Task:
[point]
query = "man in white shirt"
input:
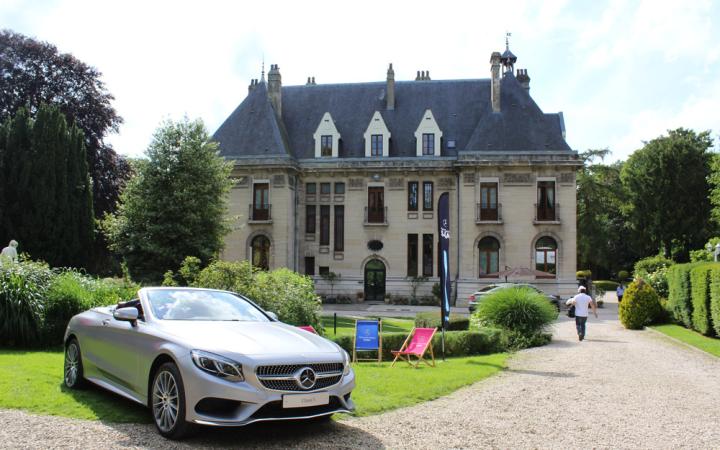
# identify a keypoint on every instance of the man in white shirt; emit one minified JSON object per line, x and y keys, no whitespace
{"x":581,"y":302}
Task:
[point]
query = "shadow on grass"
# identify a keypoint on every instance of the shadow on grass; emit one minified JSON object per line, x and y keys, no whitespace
{"x":107,"y":406}
{"x":481,"y":363}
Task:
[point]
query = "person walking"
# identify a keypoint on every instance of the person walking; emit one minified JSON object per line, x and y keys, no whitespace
{"x":582,"y":301}
{"x":620,"y":291}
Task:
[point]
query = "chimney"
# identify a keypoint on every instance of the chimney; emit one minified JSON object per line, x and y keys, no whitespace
{"x":427,"y":75}
{"x":418,"y":76}
{"x":524,"y":79}
{"x":253,"y":85}
{"x":495,"y":81}
{"x":390,"y":89}
{"x":275,"y":89}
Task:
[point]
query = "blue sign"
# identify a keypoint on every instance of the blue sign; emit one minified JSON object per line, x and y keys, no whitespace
{"x":367,"y":336}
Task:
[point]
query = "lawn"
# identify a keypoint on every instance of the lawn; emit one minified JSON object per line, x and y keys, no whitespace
{"x":346,"y":325}
{"x":32,"y":381}
{"x":381,"y":388}
{"x":697,"y":340}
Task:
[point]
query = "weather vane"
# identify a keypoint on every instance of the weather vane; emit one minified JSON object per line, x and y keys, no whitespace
{"x":507,"y":40}
{"x":262,"y":75}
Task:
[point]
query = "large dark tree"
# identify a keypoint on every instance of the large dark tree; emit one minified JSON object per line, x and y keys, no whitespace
{"x":47,"y":198}
{"x":667,"y":193}
{"x":175,"y":206}
{"x":33,"y":73}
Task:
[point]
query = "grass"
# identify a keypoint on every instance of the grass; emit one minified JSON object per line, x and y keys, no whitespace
{"x":346,"y":325}
{"x":381,"y":388}
{"x":32,"y":381}
{"x":697,"y":340}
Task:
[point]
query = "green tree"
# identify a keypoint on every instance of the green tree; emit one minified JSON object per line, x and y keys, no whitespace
{"x":667,"y":193}
{"x":46,"y":206}
{"x":602,"y":231}
{"x":176,"y":204}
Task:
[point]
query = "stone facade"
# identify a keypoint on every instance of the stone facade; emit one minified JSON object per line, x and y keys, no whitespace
{"x":273,"y":195}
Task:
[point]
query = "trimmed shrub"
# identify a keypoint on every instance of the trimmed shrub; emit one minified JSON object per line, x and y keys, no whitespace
{"x":700,"y":297}
{"x":67,"y":295}
{"x":680,"y":294}
{"x":623,"y":275}
{"x":428,"y":301}
{"x":654,"y":271}
{"x":583,"y":274}
{"x":22,"y":292}
{"x":432,"y":320}
{"x":226,"y":275}
{"x":457,"y":343}
{"x":640,"y":306}
{"x":605,"y":285}
{"x":715,"y":297}
{"x":517,"y":309}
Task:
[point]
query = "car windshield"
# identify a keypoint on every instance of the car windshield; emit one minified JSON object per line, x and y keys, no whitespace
{"x":189,"y":304}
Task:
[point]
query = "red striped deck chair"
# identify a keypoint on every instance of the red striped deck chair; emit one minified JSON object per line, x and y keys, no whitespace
{"x":308,"y":328}
{"x":416,"y":344}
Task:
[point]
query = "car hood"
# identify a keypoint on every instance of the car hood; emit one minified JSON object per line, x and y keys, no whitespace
{"x":247,"y":338}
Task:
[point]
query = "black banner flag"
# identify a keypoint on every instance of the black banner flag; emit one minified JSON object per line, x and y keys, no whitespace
{"x":444,"y":234}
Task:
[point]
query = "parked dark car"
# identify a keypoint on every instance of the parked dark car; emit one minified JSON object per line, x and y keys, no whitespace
{"x":477,"y":296}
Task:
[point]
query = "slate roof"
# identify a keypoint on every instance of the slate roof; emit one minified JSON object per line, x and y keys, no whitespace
{"x":461,"y":108}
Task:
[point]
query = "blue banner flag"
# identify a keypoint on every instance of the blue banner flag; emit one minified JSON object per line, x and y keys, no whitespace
{"x":367,"y":335}
{"x":444,"y":234}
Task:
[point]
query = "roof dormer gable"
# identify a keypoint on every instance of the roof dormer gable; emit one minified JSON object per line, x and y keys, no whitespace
{"x":327,"y":138}
{"x":377,"y":137}
{"x":428,"y":136}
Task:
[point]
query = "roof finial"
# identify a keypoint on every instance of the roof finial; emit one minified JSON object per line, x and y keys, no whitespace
{"x":262,"y":76}
{"x":507,"y":40}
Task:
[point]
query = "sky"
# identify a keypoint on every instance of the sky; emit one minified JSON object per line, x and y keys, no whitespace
{"x":621,"y":72}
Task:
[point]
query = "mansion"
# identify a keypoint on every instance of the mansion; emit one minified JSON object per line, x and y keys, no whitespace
{"x":345,"y":178}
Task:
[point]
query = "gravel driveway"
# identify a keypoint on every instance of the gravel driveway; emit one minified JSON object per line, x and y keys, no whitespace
{"x":617,"y":389}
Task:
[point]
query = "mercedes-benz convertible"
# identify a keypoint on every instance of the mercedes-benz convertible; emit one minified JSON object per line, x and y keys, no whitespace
{"x":207,"y":357}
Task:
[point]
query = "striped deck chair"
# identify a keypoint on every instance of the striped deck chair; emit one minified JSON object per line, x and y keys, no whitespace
{"x":416,"y":344}
{"x":308,"y":328}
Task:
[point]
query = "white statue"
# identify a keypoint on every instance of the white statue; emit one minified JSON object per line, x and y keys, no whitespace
{"x":9,"y":254}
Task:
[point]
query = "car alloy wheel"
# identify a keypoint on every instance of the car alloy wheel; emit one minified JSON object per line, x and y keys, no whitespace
{"x":165,"y":401}
{"x":73,"y":371}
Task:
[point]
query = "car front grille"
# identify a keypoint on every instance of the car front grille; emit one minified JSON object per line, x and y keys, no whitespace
{"x":281,"y":377}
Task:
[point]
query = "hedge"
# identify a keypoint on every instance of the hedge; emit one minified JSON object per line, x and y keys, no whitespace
{"x":700,"y":297}
{"x":680,"y":293}
{"x":715,"y":297}
{"x":605,"y":285}
{"x":432,"y":320}
{"x":457,"y":343}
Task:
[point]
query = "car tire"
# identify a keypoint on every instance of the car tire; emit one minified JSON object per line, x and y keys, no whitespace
{"x":167,"y":403}
{"x":72,"y":366}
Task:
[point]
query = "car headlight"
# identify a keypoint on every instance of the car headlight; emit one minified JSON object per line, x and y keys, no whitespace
{"x":217,"y":365}
{"x":346,"y":362}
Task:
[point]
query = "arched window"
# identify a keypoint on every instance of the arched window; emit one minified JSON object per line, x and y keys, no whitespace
{"x":546,"y":255}
{"x":261,"y":252}
{"x":489,"y":249}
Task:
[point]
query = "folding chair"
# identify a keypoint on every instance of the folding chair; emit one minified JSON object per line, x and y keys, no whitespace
{"x":416,"y":345}
{"x":308,"y":328}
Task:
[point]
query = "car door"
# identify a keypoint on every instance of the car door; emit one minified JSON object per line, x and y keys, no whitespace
{"x":116,"y":348}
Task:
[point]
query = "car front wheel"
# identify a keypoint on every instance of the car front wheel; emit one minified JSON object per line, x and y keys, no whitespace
{"x":168,"y":402}
{"x":73,"y":368}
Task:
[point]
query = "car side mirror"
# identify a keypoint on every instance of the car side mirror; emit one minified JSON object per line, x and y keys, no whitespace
{"x":272,"y":315}
{"x":129,"y":314}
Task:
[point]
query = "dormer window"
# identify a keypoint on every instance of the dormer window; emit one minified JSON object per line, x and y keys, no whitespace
{"x":428,"y":143}
{"x":327,"y":138}
{"x":376,"y":145}
{"x":326,"y":145}
{"x":428,"y":136}
{"x":377,"y":137}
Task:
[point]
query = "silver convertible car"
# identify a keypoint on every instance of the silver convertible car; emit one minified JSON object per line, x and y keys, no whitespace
{"x":208,"y":357}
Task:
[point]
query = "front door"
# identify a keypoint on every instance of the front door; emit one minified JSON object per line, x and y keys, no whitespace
{"x":375,"y":281}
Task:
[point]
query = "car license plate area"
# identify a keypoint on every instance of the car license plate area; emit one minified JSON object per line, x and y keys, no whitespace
{"x":305,"y":400}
